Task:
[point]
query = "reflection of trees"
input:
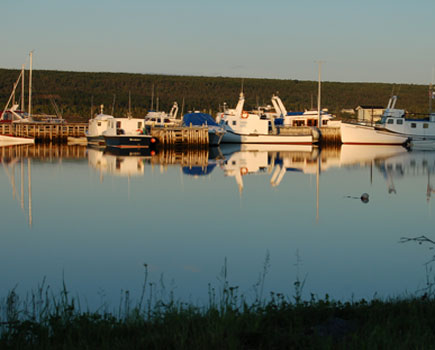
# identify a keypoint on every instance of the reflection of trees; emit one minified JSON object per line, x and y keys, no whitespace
{"x":429,"y":289}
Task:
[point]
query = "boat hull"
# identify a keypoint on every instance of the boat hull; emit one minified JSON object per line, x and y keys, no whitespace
{"x":130,"y":141}
{"x":6,"y":140}
{"x":231,"y":137}
{"x":97,"y":140}
{"x":369,"y":135}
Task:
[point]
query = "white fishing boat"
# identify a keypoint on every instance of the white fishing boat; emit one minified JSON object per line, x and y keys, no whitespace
{"x":128,"y":133}
{"x":245,"y":127}
{"x":371,"y":135}
{"x":412,"y":125}
{"x":96,"y":127}
{"x":163,"y":119}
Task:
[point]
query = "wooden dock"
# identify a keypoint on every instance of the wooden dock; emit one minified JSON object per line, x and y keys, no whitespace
{"x":181,"y":136}
{"x":45,"y":131}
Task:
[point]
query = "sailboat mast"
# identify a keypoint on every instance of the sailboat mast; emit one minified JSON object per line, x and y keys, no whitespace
{"x":22,"y":88}
{"x":30,"y":85}
{"x":431,"y":91}
{"x":319,"y":94}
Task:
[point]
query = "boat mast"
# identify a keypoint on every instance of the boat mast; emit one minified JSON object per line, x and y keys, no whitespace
{"x":30,"y":85}
{"x":431,"y":91}
{"x":113,"y":104}
{"x":319,"y":118}
{"x":22,"y":88}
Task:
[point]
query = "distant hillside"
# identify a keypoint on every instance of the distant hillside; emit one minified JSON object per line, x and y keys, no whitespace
{"x":75,"y":91}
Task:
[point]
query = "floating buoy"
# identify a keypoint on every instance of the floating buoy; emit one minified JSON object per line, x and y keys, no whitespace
{"x":365,"y":197}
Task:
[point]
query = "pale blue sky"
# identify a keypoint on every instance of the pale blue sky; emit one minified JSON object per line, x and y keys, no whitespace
{"x":371,"y":40}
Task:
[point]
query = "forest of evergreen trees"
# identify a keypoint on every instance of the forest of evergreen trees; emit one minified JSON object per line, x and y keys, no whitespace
{"x":78,"y":94}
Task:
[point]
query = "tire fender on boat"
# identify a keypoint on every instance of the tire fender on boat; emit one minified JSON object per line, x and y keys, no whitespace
{"x":243,"y":171}
{"x":245,"y":114}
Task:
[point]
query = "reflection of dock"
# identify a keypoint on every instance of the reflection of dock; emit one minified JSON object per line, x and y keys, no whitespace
{"x":43,"y":151}
{"x":184,"y":157}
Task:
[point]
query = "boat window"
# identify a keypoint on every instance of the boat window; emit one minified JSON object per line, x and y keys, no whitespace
{"x":390,"y":121}
{"x":324,"y":122}
{"x":413,"y":125}
{"x":310,"y":122}
{"x":399,"y":121}
{"x":425,"y":125}
{"x":118,"y":125}
{"x":99,"y":123}
{"x":139,"y":125}
{"x":234,"y":122}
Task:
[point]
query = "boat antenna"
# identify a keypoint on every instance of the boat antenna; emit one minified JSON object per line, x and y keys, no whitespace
{"x":113,"y":104}
{"x":92,"y":106}
{"x":152,"y":97}
{"x":398,"y":90}
{"x":182,"y":109}
{"x":243,"y":80}
{"x":129,"y":104}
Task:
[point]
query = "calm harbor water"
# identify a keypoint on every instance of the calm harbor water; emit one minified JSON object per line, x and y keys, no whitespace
{"x":94,"y":219}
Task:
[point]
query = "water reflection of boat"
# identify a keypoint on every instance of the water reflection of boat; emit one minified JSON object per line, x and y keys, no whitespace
{"x":365,"y":154}
{"x":274,"y":160}
{"x":119,"y":164}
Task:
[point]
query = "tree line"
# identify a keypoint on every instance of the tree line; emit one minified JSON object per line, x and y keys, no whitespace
{"x":78,"y":95}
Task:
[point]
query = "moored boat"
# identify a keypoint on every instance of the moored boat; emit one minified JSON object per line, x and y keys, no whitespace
{"x":128,"y":133}
{"x":365,"y":134}
{"x":245,"y":127}
{"x":412,"y":125}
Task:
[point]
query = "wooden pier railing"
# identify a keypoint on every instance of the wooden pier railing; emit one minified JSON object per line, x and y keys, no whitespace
{"x":44,"y":131}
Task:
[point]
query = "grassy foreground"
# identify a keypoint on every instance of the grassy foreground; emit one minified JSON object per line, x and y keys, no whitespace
{"x":45,"y":321}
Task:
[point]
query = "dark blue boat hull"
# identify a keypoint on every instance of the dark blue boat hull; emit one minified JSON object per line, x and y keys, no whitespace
{"x":126,"y":141}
